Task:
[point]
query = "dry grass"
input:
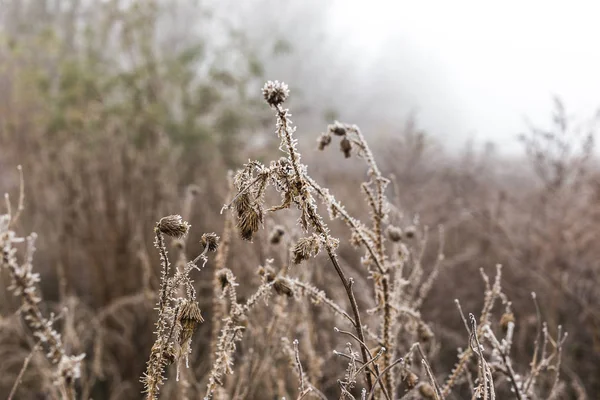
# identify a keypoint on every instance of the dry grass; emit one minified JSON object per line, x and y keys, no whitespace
{"x":358,"y":304}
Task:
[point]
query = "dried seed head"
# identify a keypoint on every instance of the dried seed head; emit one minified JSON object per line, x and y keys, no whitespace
{"x":249,"y":222}
{"x":323,"y":140}
{"x":411,"y":380}
{"x":275,"y":92}
{"x":173,"y":225}
{"x":506,"y":319}
{"x":410,"y":232}
{"x":282,"y":288}
{"x":424,"y":332}
{"x":188,"y":317}
{"x":305,"y":247}
{"x":337,"y":128}
{"x":267,"y":272}
{"x":223,"y":278}
{"x":394,"y":233}
{"x":210,"y":240}
{"x":346,"y":147}
{"x":276,"y":234}
{"x":241,"y":204}
{"x":427,"y":392}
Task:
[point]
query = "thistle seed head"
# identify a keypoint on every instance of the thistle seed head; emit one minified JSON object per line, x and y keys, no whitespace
{"x":249,"y":223}
{"x":282,"y":288}
{"x":267,"y":272}
{"x":188,"y":317}
{"x":305,"y":247}
{"x":242,"y":203}
{"x":337,"y":128}
{"x":173,"y":225}
{"x":275,"y":93}
{"x":210,"y":241}
{"x":410,"y":232}
{"x":411,"y":380}
{"x":323,"y":140}
{"x":346,"y":147}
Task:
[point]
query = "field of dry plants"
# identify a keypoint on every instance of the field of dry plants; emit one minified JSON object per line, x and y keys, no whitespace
{"x":150,"y":251}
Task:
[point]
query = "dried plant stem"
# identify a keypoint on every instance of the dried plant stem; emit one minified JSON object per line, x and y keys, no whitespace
{"x":285,"y":132}
{"x":22,"y":371}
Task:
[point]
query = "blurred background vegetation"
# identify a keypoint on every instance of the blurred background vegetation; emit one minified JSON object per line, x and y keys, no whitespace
{"x":117,"y":110}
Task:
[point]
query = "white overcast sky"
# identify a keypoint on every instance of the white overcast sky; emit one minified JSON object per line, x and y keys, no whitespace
{"x":479,"y":68}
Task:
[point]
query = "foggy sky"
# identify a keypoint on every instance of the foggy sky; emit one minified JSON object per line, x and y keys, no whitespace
{"x":472,"y":68}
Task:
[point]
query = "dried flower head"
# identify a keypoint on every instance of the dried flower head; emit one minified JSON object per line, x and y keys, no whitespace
{"x":306,"y":247}
{"x":241,"y":204}
{"x":276,"y":234}
{"x":410,"y":232}
{"x":337,"y":128}
{"x":275,"y":92}
{"x":323,"y":140}
{"x":393,"y":233}
{"x":427,"y":392}
{"x":188,"y":317}
{"x":267,"y":273}
{"x":346,"y":147}
{"x":210,"y":241}
{"x":282,"y":288}
{"x":506,"y":319}
{"x":173,"y":225}
{"x":411,"y":379}
{"x":249,"y":223}
{"x":223,"y":278}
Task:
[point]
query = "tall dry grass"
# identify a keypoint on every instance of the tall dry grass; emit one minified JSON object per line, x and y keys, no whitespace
{"x":394,"y":294}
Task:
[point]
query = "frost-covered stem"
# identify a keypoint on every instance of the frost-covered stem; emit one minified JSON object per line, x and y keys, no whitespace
{"x":285,"y":132}
{"x":320,"y":228}
{"x":349,"y":220}
{"x":24,"y":282}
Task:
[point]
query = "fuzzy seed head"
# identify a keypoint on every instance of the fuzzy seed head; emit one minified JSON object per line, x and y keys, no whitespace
{"x":210,"y":241}
{"x":275,"y":93}
{"x":174,"y":226}
{"x":410,"y":232}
